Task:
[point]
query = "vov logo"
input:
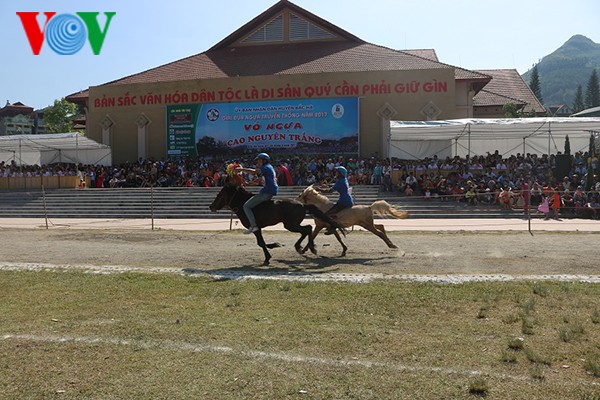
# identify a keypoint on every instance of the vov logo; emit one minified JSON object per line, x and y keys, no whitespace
{"x":65,"y":34}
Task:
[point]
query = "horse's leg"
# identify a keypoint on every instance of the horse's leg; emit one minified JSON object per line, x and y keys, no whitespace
{"x":379,"y":230}
{"x":311,"y":242}
{"x":318,"y":226}
{"x":339,"y":239}
{"x":261,"y":242}
{"x":304,"y":231}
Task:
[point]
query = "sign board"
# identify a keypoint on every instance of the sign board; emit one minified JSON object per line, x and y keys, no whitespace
{"x":306,"y":126}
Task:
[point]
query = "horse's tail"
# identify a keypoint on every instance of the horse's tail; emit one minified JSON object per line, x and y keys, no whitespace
{"x":315,"y":212}
{"x":382,"y":207}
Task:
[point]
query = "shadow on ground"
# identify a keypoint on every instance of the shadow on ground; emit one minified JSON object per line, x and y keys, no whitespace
{"x":306,"y":267}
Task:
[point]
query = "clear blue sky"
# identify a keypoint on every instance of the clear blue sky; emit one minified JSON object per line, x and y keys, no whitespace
{"x":473,"y":34}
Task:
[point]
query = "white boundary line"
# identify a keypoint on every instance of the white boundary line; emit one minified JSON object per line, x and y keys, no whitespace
{"x":278,"y":356}
{"x":254,"y":354}
{"x":294,"y":276}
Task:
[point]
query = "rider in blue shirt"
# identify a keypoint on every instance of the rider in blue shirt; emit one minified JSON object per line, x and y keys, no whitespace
{"x":342,"y":186}
{"x":264,"y":168}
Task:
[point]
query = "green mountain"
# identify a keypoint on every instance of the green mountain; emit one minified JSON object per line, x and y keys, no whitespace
{"x":564,"y":69}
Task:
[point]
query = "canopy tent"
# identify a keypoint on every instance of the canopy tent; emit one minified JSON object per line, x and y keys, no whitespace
{"x":413,"y":140}
{"x":53,"y":148}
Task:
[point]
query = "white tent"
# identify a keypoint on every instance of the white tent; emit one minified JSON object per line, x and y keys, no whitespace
{"x":53,"y":148}
{"x":413,"y":140}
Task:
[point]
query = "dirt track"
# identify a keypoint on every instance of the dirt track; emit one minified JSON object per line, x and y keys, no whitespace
{"x":516,"y":253}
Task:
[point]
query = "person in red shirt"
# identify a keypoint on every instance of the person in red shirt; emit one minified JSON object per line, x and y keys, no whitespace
{"x":284,"y":177}
{"x":555,"y":201}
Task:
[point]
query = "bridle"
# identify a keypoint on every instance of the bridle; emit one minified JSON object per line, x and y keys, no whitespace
{"x":234,"y":209}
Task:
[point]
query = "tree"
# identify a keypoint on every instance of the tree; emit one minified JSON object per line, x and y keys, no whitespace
{"x":578,"y":104}
{"x":534,"y":84}
{"x":59,"y":116}
{"x":567,"y":145}
{"x":510,"y":110}
{"x":592,"y":92}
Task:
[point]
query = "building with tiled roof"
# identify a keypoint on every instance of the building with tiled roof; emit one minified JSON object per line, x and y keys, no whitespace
{"x":288,"y":81}
{"x":506,"y":86}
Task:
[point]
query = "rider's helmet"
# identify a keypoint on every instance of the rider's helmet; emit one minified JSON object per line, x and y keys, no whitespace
{"x":263,"y":156}
{"x":343,"y":171}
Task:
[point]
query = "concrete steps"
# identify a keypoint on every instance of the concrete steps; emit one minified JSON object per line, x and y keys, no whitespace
{"x":194,"y":203}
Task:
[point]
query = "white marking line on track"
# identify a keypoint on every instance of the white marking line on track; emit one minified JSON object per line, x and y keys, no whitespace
{"x":278,"y":356}
{"x":294,"y":276}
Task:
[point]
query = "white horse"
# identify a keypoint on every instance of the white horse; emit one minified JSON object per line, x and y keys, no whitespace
{"x":356,"y":215}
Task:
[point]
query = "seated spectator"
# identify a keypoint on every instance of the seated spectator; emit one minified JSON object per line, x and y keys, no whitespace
{"x":458,"y":193}
{"x":568,"y":204}
{"x":592,"y":207}
{"x":505,"y":198}
{"x":471,"y":196}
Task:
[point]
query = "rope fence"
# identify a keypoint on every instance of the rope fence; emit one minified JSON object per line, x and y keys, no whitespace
{"x":149,"y":210}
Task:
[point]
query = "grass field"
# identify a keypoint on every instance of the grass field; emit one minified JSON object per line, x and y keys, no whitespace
{"x":139,"y":336}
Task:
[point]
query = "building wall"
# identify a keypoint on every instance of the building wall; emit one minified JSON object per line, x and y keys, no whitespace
{"x":488,"y":112}
{"x":464,"y":100}
{"x":127,"y":110}
{"x":18,"y":125}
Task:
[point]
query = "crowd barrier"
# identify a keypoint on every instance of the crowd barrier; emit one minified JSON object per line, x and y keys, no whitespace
{"x":36,"y":182}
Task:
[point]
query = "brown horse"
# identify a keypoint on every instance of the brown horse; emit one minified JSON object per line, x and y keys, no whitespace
{"x":288,"y":211}
{"x":356,"y":215}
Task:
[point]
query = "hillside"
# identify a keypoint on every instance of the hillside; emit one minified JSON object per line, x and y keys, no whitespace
{"x":561,"y":71}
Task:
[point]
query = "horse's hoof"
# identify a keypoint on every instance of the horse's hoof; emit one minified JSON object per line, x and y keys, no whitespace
{"x":314,"y":251}
{"x":393,"y":246}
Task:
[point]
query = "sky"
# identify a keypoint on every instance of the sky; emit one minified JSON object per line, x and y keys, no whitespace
{"x":472,"y":34}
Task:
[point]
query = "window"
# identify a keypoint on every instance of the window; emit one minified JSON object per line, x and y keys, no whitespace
{"x":300,"y":29}
{"x":270,"y":32}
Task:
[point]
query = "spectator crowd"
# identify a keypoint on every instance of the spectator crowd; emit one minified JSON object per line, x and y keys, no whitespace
{"x":519,"y":181}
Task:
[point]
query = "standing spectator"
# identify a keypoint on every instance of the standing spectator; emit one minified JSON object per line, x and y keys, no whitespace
{"x":555,"y":201}
{"x":377,"y":173}
{"x":81,"y":177}
{"x":579,"y":199}
{"x":526,"y":195}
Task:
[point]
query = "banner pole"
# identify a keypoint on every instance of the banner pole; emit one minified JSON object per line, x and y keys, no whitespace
{"x":44,"y":203}
{"x":152,"y":204}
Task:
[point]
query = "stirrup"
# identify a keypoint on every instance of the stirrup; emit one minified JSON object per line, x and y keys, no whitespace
{"x":250,"y":230}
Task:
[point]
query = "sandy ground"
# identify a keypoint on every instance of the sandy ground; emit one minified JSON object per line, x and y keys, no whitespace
{"x":448,"y":252}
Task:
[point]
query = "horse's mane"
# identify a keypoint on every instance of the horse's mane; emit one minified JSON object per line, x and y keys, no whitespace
{"x":235,"y":186}
{"x":314,"y":193}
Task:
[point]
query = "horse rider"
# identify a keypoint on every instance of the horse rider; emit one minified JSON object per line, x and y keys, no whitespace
{"x":342,"y":186}
{"x":264,"y":168}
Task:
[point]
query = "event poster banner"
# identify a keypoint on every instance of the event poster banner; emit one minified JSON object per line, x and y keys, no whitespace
{"x":307,"y":126}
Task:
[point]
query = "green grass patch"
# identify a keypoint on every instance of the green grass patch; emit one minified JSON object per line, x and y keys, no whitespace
{"x":592,"y":365}
{"x":479,"y":386}
{"x":516,"y":343}
{"x":190,"y":337}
